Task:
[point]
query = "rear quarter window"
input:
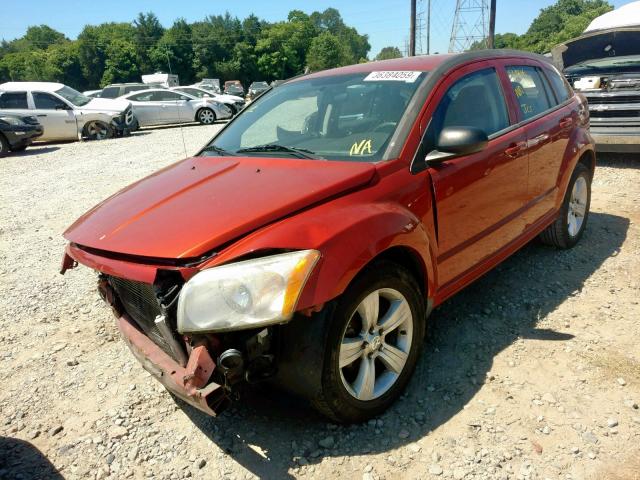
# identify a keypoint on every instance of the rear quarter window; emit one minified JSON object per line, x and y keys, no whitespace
{"x":110,"y":92}
{"x":559,"y":85}
{"x":13,"y":100}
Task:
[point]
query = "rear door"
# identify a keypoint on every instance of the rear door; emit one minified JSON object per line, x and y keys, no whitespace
{"x":479,"y":197}
{"x":174,"y":107}
{"x":56,"y":116}
{"x":547,"y":124}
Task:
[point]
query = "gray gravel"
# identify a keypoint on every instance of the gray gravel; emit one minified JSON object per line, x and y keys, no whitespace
{"x":533,"y":372}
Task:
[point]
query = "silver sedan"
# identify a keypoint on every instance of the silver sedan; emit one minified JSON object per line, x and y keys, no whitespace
{"x":162,"y":106}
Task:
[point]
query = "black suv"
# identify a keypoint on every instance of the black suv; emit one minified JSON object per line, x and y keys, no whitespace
{"x":17,"y":132}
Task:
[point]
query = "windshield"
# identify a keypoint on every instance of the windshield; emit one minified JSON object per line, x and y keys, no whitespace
{"x":73,"y":96}
{"x":345,"y":117}
{"x":607,"y":63}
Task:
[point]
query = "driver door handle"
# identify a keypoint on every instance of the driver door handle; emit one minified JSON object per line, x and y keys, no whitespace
{"x":42,"y":115}
{"x":514,"y":150}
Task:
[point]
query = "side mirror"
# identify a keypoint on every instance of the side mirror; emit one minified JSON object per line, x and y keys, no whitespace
{"x":62,"y":106}
{"x":206,"y":95}
{"x":457,"y":141}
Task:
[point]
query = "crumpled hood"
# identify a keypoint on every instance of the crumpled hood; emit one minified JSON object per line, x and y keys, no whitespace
{"x":106,"y":105}
{"x":200,"y":203}
{"x":616,"y":42}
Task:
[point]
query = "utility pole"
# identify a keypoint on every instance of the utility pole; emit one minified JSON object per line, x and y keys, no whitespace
{"x":428,"y":27}
{"x":492,"y":25}
{"x":412,"y":30}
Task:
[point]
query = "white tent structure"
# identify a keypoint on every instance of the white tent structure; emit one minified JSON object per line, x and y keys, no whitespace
{"x":626,"y":16}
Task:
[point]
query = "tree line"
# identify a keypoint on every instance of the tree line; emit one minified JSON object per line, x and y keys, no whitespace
{"x":220,"y":46}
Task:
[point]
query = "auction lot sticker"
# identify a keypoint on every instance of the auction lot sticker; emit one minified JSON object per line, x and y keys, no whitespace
{"x":394,"y":76}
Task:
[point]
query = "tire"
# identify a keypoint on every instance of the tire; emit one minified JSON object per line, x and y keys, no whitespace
{"x":206,"y":116}
{"x":568,"y":228}
{"x":96,"y":130}
{"x":4,"y":146}
{"x":232,"y":107}
{"x":345,"y":396}
{"x":135,"y":125}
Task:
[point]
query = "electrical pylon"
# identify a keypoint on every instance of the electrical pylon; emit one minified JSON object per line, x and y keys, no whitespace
{"x":470,"y":24}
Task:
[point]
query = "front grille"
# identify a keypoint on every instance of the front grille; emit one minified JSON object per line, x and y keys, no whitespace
{"x":139,"y":301}
{"x":612,"y":99}
{"x":614,"y":113}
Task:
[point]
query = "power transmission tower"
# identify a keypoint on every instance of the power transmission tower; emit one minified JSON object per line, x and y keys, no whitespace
{"x":470,"y":24}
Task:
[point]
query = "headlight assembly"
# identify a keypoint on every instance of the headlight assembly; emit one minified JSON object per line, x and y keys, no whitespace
{"x":247,"y":294}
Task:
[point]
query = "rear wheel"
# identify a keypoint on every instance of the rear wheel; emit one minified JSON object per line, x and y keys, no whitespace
{"x":206,"y":116}
{"x":373,"y":342}
{"x":568,"y":228}
{"x":4,"y":146}
{"x":96,"y":130}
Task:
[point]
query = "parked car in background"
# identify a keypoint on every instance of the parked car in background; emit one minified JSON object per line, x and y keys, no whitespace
{"x":17,"y":132}
{"x":603,"y":64}
{"x":212,"y":84}
{"x":234,"y":87}
{"x":161,"y":79}
{"x":92,"y":93}
{"x":162,"y":106}
{"x":234,"y":103}
{"x":65,"y":113}
{"x":116,"y":90}
{"x":255,"y":89}
{"x":308,"y":242}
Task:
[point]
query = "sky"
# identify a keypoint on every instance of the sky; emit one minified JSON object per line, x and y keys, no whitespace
{"x":385,"y":21}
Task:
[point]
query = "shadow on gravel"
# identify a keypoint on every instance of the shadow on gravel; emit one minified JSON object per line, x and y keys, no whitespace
{"x":267,"y":429}
{"x":618,"y":160}
{"x":34,"y":150}
{"x":20,"y":459}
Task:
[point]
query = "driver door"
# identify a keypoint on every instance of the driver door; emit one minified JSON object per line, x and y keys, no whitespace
{"x":56,"y":116}
{"x":479,"y":197}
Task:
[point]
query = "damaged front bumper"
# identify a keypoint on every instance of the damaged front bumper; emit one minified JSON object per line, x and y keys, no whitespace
{"x":191,"y":383}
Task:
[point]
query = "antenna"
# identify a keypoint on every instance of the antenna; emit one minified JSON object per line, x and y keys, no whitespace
{"x":184,"y":145}
{"x":469,"y":24}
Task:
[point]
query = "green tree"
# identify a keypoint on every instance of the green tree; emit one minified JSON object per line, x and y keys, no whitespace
{"x":174,"y":52}
{"x":148,"y":31}
{"x":326,"y":51}
{"x":121,"y":64}
{"x":388,"y":53}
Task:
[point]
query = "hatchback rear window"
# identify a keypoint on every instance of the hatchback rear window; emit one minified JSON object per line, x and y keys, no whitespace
{"x":13,"y":100}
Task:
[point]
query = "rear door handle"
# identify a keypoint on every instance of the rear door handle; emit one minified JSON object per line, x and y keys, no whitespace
{"x":42,"y":115}
{"x":566,"y":122}
{"x":532,"y":142}
{"x":514,"y":150}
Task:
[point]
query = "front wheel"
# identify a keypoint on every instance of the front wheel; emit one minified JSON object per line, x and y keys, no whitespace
{"x":373,"y":342}
{"x":206,"y":116}
{"x":568,"y":228}
{"x":96,"y":130}
{"x":4,"y":146}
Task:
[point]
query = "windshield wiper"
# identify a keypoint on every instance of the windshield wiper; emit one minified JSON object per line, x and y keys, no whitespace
{"x":274,"y":147}
{"x":218,"y":150}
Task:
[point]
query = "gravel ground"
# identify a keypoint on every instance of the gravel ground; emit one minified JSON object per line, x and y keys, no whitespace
{"x":533,"y":372}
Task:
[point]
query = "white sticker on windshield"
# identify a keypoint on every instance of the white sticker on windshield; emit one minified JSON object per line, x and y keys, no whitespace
{"x":394,"y":76}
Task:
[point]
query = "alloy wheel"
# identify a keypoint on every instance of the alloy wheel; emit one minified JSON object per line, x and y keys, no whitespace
{"x":207,"y":117}
{"x":577,"y":206}
{"x":375,"y":344}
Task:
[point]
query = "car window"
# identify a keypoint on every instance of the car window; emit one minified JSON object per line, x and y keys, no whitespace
{"x":110,"y":92}
{"x":558,"y":84}
{"x":13,"y":100}
{"x":133,"y":88}
{"x":142,"y":97}
{"x":166,"y":96}
{"x":196,"y":93}
{"x":530,"y":90}
{"x":46,"y":101}
{"x":476,"y":100}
